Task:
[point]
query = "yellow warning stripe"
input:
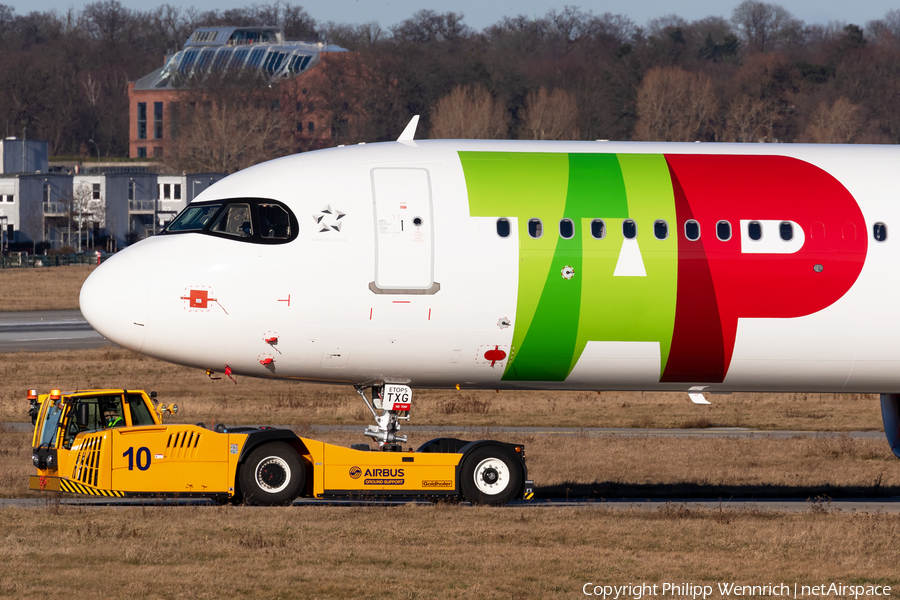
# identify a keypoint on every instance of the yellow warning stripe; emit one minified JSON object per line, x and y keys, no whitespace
{"x":67,"y":485}
{"x":529,"y":496}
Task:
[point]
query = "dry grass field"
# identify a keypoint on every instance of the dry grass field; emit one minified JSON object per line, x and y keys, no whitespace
{"x":441,"y":551}
{"x":46,"y":288}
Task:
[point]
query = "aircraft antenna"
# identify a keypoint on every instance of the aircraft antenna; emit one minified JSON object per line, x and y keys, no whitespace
{"x":410,"y":132}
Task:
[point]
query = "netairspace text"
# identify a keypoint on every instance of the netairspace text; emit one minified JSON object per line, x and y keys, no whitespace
{"x":646,"y":591}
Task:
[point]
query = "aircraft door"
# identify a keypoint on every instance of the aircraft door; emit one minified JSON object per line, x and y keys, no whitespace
{"x":404,"y":244}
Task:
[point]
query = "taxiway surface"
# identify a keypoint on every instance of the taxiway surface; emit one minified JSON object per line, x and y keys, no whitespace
{"x":849,"y":505}
{"x":47,"y":330}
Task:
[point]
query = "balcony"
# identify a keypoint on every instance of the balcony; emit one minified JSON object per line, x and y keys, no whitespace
{"x":55,"y":208}
{"x":142,"y":206}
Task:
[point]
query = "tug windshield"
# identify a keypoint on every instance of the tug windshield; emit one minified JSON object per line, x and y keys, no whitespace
{"x":51,"y":423}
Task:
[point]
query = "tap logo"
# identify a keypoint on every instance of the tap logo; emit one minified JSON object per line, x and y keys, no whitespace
{"x":328,"y":219}
{"x":355,"y":472}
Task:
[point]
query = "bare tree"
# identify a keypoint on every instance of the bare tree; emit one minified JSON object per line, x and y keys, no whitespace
{"x":469,"y":113}
{"x":549,"y":116}
{"x":674,"y":105}
{"x":840,"y":123}
{"x":764,"y":26}
{"x":748,"y":120}
{"x":430,"y":26}
{"x":228,"y":125}
{"x":885,"y":31}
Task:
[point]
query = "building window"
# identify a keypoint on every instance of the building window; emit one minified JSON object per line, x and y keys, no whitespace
{"x":173,"y":119}
{"x":157,"y":152}
{"x":10,"y":198}
{"x":176,"y":191}
{"x":46,"y":192}
{"x":310,"y":127}
{"x":157,"y":120}
{"x":298,"y":107}
{"x":142,"y":152}
{"x":299,"y":126}
{"x":167,"y":191}
{"x":142,"y":120}
{"x":95,"y":191}
{"x":131,"y":190}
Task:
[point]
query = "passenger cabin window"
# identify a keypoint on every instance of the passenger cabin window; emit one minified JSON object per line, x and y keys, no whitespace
{"x":754,"y":230}
{"x":247,"y":219}
{"x":692,"y":230}
{"x":629,"y":229}
{"x":234,"y":220}
{"x":503,"y":227}
{"x":566,"y":229}
{"x":598,"y":229}
{"x":723,"y":230}
{"x":879,"y":232}
{"x":660,"y":230}
{"x":786,"y":231}
{"x":535,"y":228}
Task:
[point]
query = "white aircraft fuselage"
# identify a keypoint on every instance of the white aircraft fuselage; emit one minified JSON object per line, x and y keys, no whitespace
{"x":542,"y":265}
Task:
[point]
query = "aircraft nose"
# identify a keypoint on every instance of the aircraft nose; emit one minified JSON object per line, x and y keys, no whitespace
{"x":114,"y":299}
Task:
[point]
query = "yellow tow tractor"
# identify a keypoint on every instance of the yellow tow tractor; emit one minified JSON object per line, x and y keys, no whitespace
{"x":114,"y":443}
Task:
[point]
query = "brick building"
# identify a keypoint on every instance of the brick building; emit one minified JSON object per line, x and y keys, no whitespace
{"x":153,"y":99}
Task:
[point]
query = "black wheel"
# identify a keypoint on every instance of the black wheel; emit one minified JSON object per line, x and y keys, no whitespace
{"x":490,"y":475}
{"x":273,"y":474}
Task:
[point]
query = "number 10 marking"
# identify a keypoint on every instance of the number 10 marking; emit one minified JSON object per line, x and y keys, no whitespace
{"x":143,"y":458}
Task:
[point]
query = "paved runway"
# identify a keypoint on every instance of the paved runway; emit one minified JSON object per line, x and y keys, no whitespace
{"x":792,"y":505}
{"x":429,"y":431}
{"x":47,"y":330}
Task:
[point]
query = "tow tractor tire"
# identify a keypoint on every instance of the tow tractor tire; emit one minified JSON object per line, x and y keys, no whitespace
{"x":273,"y":474}
{"x":490,"y":475}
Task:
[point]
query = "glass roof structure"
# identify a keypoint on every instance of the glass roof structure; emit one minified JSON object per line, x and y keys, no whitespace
{"x":224,"y":50}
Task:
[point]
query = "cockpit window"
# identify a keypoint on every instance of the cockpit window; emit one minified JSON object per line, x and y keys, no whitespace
{"x":253,"y":220}
{"x":274,"y":222}
{"x":234,"y":220}
{"x":193,"y":218}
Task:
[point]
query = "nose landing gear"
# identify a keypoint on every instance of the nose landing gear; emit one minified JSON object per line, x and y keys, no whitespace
{"x":393,"y":401}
